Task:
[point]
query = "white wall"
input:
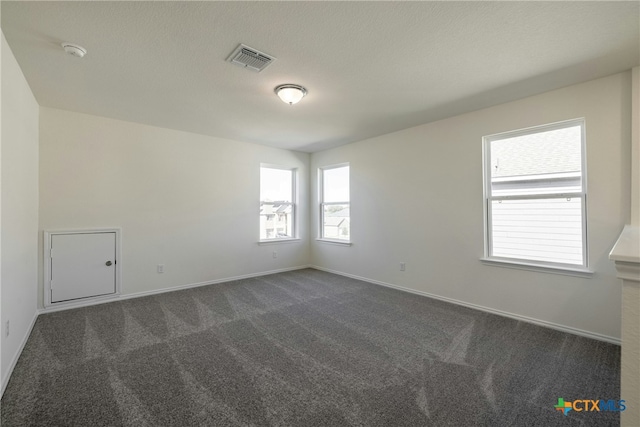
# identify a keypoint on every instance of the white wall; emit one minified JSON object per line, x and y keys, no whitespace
{"x":416,"y":197}
{"x":188,"y":201}
{"x":2,"y":331}
{"x":2,"y":371}
{"x":635,"y":148}
{"x":19,"y":221}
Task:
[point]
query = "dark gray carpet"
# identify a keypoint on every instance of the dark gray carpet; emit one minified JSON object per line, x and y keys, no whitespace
{"x":303,"y":348}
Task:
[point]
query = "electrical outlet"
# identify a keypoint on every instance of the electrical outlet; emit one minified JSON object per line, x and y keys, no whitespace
{"x":6,"y":329}
{"x":403,"y":266}
{"x":160,"y":268}
{"x":275,"y":254}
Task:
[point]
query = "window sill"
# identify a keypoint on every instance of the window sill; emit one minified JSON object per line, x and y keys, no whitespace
{"x":335,"y":242}
{"x":276,"y":241}
{"x":541,"y":268}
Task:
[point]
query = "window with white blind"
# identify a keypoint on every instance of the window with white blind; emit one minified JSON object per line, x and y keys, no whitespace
{"x":335,"y":217}
{"x":535,"y":196}
{"x":277,"y":203}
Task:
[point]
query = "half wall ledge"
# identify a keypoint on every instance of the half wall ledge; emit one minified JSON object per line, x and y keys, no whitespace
{"x":626,"y":255}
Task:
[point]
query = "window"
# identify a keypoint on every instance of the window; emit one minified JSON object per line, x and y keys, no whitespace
{"x":277,"y":203}
{"x":535,"y":196}
{"x":335,"y":221}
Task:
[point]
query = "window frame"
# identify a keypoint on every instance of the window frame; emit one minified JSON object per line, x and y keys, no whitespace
{"x":322,"y":204}
{"x":488,"y":198}
{"x":293,"y":204}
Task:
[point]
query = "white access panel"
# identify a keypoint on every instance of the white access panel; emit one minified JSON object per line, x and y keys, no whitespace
{"x":82,"y":265}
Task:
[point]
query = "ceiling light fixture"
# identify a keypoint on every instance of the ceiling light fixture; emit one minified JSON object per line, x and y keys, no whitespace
{"x":290,"y":93}
{"x":74,"y":49}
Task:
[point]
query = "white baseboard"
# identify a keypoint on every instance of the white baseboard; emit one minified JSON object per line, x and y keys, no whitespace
{"x":527,"y":319}
{"x":103,"y":300}
{"x":16,"y":356}
{"x":210,"y":282}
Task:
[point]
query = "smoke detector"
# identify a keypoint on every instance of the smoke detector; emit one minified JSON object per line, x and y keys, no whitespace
{"x":74,"y":49}
{"x":250,"y":58}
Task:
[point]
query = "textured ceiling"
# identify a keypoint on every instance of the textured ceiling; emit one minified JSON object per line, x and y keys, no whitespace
{"x":370,"y":67}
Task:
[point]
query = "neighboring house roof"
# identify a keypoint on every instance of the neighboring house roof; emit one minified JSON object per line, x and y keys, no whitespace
{"x":335,"y":221}
{"x":548,"y":152}
{"x":274,"y":207}
{"x":342,"y":213}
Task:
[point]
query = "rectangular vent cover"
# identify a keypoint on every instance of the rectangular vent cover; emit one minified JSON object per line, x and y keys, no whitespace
{"x":250,"y":58}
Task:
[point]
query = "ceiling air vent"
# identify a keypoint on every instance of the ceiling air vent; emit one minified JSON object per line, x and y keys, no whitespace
{"x":250,"y":58}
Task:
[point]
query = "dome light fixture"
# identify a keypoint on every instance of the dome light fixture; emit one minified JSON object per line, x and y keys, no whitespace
{"x":290,"y":93}
{"x":74,"y":49}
